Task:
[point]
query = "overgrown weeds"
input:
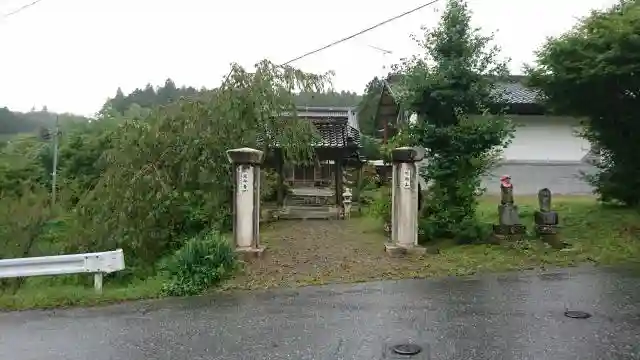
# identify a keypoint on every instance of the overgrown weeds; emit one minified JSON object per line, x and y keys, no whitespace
{"x":203,"y":261}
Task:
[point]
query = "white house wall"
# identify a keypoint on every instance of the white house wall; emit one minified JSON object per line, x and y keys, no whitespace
{"x":546,"y":139}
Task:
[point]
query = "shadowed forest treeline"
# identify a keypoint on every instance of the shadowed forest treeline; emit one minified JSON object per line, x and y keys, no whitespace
{"x":140,"y":101}
{"x":148,"y":97}
{"x":13,"y":122}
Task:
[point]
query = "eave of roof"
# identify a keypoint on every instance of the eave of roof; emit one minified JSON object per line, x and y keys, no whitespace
{"x":333,"y":135}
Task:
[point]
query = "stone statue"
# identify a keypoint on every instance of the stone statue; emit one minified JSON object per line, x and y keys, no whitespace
{"x":506,"y":190}
{"x":544,"y":199}
{"x":546,"y":220}
{"x":509,"y":223}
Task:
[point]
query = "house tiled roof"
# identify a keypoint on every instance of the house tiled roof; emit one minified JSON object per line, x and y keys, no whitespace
{"x":511,"y":90}
{"x":516,"y":93}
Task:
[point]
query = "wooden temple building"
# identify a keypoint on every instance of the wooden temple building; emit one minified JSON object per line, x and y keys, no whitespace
{"x":318,"y":188}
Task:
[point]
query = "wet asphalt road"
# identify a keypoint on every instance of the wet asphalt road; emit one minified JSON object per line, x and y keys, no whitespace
{"x":529,"y":178}
{"x":515,"y":316}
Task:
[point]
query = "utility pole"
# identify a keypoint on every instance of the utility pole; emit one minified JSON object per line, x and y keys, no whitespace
{"x":385,"y":130}
{"x":54,"y":174}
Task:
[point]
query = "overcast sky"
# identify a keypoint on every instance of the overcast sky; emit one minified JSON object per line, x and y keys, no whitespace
{"x":72,"y":54}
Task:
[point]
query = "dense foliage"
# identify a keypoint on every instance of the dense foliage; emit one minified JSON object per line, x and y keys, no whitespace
{"x":148,"y":179}
{"x":592,"y":72}
{"x":447,"y":87}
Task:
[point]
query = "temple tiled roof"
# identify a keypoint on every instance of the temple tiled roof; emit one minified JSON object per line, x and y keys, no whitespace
{"x":336,"y":135}
{"x":336,"y":126}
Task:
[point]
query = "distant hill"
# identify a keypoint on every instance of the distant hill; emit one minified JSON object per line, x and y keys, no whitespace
{"x":14,"y":122}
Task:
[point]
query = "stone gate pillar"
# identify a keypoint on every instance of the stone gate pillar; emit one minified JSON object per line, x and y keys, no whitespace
{"x":246,"y":200}
{"x":404,"y":200}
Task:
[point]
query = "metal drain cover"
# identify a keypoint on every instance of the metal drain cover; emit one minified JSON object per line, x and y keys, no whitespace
{"x":576,"y":314}
{"x":406,"y":349}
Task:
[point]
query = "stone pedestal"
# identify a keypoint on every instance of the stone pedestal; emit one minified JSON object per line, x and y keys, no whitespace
{"x":546,"y":222}
{"x":404,"y":201}
{"x":509,"y":226}
{"x":546,"y":228}
{"x":246,"y":200}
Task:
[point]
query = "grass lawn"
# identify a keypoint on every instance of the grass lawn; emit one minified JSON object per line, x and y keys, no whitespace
{"x":318,"y":252}
{"x":45,"y":292}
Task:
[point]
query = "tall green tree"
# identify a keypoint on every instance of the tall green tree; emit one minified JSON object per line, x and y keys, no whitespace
{"x":119,"y":102}
{"x":449,"y":84}
{"x":592,"y":72}
{"x":368,"y":107}
{"x":168,"y":92}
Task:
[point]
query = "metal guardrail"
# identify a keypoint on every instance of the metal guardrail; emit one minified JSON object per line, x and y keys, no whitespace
{"x":98,"y":264}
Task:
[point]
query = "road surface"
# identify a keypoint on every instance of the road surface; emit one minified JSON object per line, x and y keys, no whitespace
{"x":513,"y":316}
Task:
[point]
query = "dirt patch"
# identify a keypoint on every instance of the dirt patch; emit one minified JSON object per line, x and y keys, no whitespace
{"x":324,"y":251}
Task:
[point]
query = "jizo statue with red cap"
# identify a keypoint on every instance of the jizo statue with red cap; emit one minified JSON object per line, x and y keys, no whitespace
{"x":509,"y":223}
{"x":506,"y":190}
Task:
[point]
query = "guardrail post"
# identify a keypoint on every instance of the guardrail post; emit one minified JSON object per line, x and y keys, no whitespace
{"x":246,"y":200}
{"x":97,"y":282}
{"x":404,"y":201}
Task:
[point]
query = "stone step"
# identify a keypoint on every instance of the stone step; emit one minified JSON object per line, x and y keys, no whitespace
{"x":309,"y":201}
{"x":310,"y":208}
{"x":307,"y":213}
{"x":308,"y":216}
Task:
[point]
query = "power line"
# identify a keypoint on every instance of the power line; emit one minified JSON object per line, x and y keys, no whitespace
{"x":361,"y":32}
{"x":385,"y":52}
{"x":20,"y":9}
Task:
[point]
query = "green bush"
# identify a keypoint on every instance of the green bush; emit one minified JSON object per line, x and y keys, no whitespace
{"x":269,"y":185}
{"x":380,"y":207}
{"x":202,"y":262}
{"x":469,"y":231}
{"x":371,"y":148}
